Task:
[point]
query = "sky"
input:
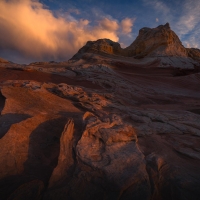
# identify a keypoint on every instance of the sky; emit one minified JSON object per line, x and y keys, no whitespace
{"x":54,"y":30}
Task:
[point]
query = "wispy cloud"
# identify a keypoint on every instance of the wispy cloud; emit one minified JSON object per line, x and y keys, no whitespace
{"x":190,"y":17}
{"x":32,"y":30}
{"x":127,"y":25}
{"x":159,"y":8}
{"x":110,"y":25}
{"x":188,"y":24}
{"x":158,"y":5}
{"x":184,"y":19}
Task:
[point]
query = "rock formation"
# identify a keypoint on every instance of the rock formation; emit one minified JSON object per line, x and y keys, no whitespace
{"x":160,"y":43}
{"x":194,"y":53}
{"x":103,"y":126}
{"x":101,"y":46}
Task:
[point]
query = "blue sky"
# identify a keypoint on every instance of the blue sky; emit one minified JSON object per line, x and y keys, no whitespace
{"x":55,"y":29}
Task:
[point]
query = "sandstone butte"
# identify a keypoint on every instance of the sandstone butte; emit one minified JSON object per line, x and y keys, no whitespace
{"x":110,"y":123}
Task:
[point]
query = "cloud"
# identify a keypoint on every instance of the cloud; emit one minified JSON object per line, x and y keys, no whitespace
{"x":159,"y":6}
{"x":109,"y":25}
{"x":188,"y":23}
{"x":185,"y":22}
{"x":127,"y":25}
{"x":33,"y":31}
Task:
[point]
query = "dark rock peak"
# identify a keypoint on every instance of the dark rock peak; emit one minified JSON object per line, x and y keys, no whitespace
{"x":104,"y":40}
{"x":160,"y":27}
{"x":166,"y":26}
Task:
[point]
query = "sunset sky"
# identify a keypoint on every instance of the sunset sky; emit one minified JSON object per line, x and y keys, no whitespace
{"x":45,"y":30}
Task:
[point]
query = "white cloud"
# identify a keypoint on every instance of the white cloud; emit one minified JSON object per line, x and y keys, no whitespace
{"x":110,"y":25}
{"x":157,"y":20}
{"x":127,"y":25}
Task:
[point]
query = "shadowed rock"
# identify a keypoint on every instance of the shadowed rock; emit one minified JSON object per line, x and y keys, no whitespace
{"x":65,"y":160}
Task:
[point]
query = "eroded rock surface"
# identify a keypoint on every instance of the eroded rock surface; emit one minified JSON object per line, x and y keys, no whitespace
{"x":101,"y":127}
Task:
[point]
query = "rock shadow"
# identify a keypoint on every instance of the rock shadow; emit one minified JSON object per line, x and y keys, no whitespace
{"x":44,"y":147}
{"x":2,"y":101}
{"x":7,"y":120}
{"x":43,"y":152}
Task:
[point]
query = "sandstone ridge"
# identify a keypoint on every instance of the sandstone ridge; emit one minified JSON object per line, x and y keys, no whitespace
{"x":160,"y":42}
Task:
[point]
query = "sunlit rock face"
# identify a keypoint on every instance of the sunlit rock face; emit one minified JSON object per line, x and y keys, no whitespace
{"x":159,"y":41}
{"x":100,"y":46}
{"x":101,"y":126}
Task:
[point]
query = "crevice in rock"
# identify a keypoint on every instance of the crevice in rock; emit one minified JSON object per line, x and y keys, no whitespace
{"x":65,"y":164}
{"x":44,"y":149}
{"x":67,"y":160}
{"x":151,"y":181}
{"x":2,"y":101}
